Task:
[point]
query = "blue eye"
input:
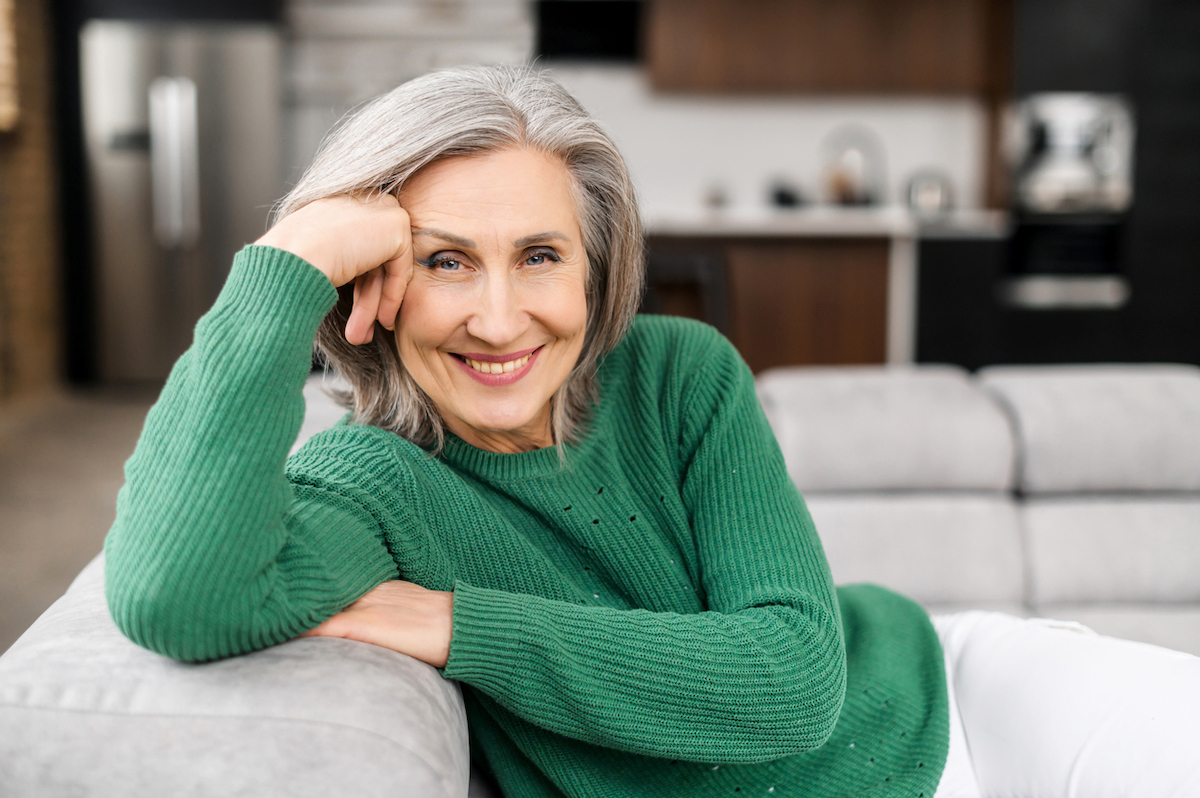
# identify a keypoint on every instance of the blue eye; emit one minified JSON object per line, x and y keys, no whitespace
{"x":444,"y":263}
{"x":540,"y":256}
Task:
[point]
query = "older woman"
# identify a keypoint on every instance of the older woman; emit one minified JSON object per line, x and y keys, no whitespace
{"x":583,"y":518}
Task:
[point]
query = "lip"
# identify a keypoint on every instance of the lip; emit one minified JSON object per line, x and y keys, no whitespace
{"x":497,"y":380}
{"x":499,"y":358}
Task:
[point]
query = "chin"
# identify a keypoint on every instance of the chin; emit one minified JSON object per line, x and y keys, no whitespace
{"x":505,"y":424}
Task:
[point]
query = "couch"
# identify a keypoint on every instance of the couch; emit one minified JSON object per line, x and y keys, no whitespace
{"x":1064,"y":491}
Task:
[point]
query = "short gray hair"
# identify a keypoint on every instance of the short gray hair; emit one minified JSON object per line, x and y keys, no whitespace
{"x":465,"y":111}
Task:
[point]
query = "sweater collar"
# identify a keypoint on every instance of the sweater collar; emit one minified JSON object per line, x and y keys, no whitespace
{"x":498,"y":467}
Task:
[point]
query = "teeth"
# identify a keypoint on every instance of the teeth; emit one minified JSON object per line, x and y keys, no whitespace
{"x":498,"y":368}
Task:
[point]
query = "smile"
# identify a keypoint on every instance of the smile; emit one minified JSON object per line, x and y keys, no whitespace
{"x":506,"y":367}
{"x":496,"y":370}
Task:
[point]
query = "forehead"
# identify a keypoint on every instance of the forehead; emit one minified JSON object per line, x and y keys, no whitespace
{"x":513,"y":187}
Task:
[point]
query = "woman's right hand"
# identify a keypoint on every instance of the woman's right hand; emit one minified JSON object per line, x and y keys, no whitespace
{"x":347,"y":238}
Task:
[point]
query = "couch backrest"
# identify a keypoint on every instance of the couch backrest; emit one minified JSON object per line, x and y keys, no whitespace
{"x":321,"y":409}
{"x":887,"y":428}
{"x":1102,"y":428}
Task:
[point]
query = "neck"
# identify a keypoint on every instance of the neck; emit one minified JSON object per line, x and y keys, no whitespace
{"x":535,"y":435}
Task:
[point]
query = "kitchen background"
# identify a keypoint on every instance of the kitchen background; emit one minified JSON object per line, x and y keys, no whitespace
{"x":828,"y":183}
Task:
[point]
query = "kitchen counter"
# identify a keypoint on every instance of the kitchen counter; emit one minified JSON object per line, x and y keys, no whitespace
{"x":895,"y":227}
{"x":824,"y":222}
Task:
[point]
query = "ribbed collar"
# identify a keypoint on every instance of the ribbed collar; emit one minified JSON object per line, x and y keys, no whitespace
{"x":497,"y":467}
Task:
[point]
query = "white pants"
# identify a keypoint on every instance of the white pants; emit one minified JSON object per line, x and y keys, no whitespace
{"x":1049,"y":709}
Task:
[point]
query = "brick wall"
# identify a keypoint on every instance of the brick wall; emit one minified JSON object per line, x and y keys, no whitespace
{"x":30,"y":340}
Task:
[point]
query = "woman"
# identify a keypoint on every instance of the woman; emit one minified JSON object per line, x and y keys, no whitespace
{"x":583,"y":518}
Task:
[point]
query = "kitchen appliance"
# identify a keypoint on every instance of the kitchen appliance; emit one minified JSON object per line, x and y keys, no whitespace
{"x":182,"y":133}
{"x":1072,"y":159}
{"x":1073,"y":153}
{"x":853,"y":171}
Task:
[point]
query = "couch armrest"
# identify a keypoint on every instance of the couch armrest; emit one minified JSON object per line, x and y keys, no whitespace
{"x":85,"y":711}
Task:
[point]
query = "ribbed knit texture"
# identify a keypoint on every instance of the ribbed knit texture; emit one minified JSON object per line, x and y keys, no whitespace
{"x":652,"y":617}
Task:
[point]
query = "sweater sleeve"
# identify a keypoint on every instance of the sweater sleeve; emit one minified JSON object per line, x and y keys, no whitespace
{"x":213,"y":551}
{"x":759,"y":675}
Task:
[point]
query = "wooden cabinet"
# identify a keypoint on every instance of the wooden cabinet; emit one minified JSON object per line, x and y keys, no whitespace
{"x":826,"y":46}
{"x":814,"y":302}
{"x":864,"y":47}
{"x":794,"y":301}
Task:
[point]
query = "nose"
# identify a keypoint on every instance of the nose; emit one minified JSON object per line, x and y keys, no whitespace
{"x":500,"y":319}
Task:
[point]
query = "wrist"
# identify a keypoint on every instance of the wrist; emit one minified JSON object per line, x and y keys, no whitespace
{"x":297,"y":246}
{"x":446,"y":607}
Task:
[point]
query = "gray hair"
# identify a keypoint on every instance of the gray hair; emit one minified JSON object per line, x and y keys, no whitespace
{"x":465,"y":111}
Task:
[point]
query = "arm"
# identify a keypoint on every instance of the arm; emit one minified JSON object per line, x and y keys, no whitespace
{"x":758,"y":676}
{"x":213,"y":551}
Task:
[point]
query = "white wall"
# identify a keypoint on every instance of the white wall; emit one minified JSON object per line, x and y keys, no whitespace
{"x":680,"y":146}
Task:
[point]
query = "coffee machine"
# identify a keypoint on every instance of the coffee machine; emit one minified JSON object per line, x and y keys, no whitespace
{"x":1072,"y":160}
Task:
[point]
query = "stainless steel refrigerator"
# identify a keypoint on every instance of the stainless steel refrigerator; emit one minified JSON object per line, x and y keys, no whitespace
{"x":182,"y":128}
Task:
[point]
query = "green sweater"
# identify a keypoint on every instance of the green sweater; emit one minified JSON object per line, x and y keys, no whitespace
{"x":653,"y":617}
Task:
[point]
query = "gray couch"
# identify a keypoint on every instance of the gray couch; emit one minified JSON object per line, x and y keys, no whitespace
{"x":1064,"y":491}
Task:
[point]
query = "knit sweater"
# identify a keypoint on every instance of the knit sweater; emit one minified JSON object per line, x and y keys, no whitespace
{"x":652,"y":616}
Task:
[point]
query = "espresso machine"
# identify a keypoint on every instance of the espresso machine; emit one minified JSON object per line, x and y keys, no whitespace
{"x":1072,"y":160}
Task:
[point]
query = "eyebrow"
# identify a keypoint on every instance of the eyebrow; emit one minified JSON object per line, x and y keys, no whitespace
{"x":537,"y":238}
{"x":466,"y":243}
{"x":449,"y":238}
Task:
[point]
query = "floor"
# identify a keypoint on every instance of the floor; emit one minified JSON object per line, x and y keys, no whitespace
{"x":61,"y":461}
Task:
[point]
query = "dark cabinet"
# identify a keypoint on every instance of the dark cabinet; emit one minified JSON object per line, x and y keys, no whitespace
{"x":863,"y":46}
{"x":782,"y":302}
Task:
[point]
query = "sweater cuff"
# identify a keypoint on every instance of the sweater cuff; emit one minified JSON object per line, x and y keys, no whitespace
{"x":488,"y":637}
{"x":281,"y":291}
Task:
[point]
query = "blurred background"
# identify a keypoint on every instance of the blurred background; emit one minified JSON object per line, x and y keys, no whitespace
{"x":867,"y":181}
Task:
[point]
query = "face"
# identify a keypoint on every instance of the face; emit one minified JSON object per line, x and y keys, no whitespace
{"x":494,"y":317}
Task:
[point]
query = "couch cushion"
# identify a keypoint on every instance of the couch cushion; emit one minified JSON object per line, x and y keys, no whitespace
{"x":947,"y":551}
{"x":877,"y":428}
{"x":1103,"y":427}
{"x":321,"y":410}
{"x":1176,"y":627}
{"x":1113,"y":549}
{"x":83,"y":711}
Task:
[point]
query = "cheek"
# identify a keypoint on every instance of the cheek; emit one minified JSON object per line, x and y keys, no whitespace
{"x":427,"y":319}
{"x":563,"y":305}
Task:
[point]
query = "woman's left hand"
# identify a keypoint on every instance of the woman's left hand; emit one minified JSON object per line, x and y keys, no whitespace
{"x":401,"y":616}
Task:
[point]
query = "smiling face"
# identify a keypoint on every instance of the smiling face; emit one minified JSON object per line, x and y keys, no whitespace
{"x":494,"y":318}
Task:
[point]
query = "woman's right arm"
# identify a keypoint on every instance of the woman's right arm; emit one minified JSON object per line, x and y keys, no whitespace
{"x":213,"y":551}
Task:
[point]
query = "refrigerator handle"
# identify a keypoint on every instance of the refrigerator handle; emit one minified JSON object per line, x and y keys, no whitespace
{"x":174,"y":162}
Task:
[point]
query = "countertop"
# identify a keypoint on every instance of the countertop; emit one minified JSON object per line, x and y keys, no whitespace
{"x":826,"y":222}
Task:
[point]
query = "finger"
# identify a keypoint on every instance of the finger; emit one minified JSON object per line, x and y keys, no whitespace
{"x":360,"y":327}
{"x":397,"y":273}
{"x":397,"y":270}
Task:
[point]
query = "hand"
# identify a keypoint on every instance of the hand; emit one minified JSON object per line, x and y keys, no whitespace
{"x":348,"y":238}
{"x":401,"y":616}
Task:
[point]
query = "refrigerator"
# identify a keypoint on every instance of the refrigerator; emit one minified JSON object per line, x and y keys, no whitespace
{"x":182,"y":133}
